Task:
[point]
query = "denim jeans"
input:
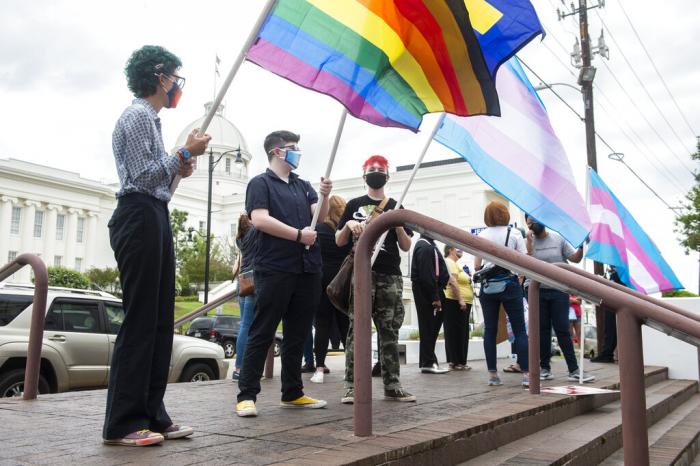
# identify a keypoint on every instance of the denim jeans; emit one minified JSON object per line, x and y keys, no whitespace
{"x":247,"y":306}
{"x":512,"y":300}
{"x":554,"y":312}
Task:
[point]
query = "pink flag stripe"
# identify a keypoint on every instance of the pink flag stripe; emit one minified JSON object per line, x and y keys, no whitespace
{"x":558,"y":190}
{"x":282,"y":63}
{"x":601,"y":197}
{"x":605,"y":235}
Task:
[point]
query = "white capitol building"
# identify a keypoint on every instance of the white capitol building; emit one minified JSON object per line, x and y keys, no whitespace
{"x":63,"y":217}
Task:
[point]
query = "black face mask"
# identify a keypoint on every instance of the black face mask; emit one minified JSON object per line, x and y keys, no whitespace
{"x":537,"y":228}
{"x":375,"y":180}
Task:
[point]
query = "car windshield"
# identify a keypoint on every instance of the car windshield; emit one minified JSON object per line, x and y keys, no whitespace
{"x":11,"y":306}
{"x":225,"y":322}
{"x":201,"y":323}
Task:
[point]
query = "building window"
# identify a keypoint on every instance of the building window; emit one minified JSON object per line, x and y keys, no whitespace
{"x":11,"y":255}
{"x":16,"y":217}
{"x":58,"y":261}
{"x":81,"y":230}
{"x":202,"y":224}
{"x":60,"y":222}
{"x":233,"y":230}
{"x":78,"y":264}
{"x":38,"y":223}
{"x":228,"y":165}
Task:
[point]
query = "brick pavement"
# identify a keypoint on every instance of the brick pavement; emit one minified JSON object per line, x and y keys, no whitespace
{"x":66,"y":428}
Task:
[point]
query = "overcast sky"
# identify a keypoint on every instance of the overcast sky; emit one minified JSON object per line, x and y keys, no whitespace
{"x":62,"y":88}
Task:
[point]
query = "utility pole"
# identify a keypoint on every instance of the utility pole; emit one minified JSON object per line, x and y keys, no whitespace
{"x":581,"y":58}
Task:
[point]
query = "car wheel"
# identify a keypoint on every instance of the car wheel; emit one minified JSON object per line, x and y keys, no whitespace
{"x":278,"y":347}
{"x":12,"y":384}
{"x":197,"y":372}
{"x":229,"y":348}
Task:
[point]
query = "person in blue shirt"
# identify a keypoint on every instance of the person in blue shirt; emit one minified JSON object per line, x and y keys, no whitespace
{"x":287,"y":274}
{"x":140,"y":235}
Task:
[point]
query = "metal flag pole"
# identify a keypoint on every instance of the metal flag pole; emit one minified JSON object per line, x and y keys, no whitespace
{"x":231,"y":74}
{"x":410,"y":180}
{"x":329,"y":167}
{"x":582,"y":337}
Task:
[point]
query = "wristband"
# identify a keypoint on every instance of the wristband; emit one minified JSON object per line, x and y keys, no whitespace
{"x":298,"y":236}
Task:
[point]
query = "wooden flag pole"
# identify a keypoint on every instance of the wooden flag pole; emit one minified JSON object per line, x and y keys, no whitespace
{"x":231,"y":74}
{"x":329,"y":167}
{"x":410,"y":180}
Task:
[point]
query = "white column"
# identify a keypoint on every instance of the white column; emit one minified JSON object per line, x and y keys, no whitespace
{"x":90,"y":239}
{"x":52,"y":211}
{"x":71,"y":237}
{"x":26,"y":232}
{"x":6,"y":204}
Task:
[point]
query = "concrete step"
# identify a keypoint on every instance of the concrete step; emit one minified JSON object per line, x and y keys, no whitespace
{"x":590,"y":437}
{"x":488,"y":426}
{"x":673,"y":440}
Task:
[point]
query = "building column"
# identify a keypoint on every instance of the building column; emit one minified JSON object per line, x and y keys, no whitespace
{"x":71,"y":235}
{"x":90,"y":239}
{"x":26,"y":232}
{"x":6,"y":204}
{"x":52,"y":211}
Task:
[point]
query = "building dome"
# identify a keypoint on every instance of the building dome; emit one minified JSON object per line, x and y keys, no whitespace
{"x":224,"y":134}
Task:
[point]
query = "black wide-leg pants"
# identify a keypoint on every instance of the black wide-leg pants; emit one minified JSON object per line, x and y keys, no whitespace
{"x":140,"y":235}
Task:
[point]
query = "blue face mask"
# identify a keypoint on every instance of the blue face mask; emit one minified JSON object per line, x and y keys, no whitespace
{"x":292,"y":157}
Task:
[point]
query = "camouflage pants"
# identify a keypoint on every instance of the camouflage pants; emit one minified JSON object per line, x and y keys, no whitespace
{"x":387,"y":314}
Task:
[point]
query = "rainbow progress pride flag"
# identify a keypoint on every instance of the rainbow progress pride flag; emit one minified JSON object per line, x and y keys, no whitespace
{"x":388,"y":61}
{"x":617,"y":239}
{"x":520,"y":156}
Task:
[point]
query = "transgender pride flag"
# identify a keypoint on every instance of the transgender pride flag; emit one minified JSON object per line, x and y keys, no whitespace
{"x":519,"y":155}
{"x":617,"y":239}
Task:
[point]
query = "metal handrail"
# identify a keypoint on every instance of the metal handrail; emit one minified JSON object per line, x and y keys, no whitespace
{"x":36,"y":330}
{"x":632,"y":311}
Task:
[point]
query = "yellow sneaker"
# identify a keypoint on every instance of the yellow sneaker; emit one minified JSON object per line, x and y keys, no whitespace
{"x":305,"y":402}
{"x":246,"y":408}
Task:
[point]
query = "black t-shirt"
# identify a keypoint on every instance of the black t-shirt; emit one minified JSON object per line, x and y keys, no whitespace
{"x":331,"y":254}
{"x":359,"y":209}
{"x":289,"y":203}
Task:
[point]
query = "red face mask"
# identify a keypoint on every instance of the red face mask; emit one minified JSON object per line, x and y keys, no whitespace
{"x":174,"y":95}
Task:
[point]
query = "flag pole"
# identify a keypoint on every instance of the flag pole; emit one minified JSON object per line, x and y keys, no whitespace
{"x":410,"y":180}
{"x":582,"y":337}
{"x":231,"y":74}
{"x":329,"y":166}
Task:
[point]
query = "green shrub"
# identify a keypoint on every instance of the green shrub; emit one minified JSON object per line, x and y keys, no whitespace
{"x":414,"y":335}
{"x":478,"y":332}
{"x":186,"y":299}
{"x":678,"y":294}
{"x":67,"y":278}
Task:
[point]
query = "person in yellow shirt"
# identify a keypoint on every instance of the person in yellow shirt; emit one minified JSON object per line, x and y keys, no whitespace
{"x":459,"y":297}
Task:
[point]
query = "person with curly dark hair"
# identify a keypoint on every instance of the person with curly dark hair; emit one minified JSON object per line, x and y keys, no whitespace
{"x":140,"y":235}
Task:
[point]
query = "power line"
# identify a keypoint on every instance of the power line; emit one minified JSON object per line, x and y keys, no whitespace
{"x":596,"y":133}
{"x":649,"y":154}
{"x":643,"y":115}
{"x":643,"y":86}
{"x":658,"y":73}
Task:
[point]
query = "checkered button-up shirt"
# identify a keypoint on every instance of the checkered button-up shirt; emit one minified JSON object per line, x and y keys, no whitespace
{"x":143,"y":164}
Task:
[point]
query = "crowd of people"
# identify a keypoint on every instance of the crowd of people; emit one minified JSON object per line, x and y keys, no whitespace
{"x":287,"y":265}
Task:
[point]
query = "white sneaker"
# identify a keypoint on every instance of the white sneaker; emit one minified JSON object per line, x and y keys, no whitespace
{"x":317,"y":377}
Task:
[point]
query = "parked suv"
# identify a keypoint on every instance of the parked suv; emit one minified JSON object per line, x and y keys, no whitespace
{"x":224,"y":331}
{"x":80,"y":329}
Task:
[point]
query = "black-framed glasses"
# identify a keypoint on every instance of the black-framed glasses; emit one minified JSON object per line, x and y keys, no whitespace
{"x":179,"y":80}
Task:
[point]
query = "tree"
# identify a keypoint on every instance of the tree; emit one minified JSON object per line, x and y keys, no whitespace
{"x":67,"y":278}
{"x":178,"y":220}
{"x":688,"y":223}
{"x":106,"y":279}
{"x":192,"y":269}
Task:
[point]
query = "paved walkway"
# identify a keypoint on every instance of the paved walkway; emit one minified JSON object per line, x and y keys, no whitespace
{"x":66,"y":428}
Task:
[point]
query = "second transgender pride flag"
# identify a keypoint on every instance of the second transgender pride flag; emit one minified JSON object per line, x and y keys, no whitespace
{"x":519,"y":155}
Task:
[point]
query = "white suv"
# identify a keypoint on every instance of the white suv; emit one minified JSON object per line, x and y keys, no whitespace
{"x":79,"y":333}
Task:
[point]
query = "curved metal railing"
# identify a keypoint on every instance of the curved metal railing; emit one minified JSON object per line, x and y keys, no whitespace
{"x":36,"y":331}
{"x":632,"y":311}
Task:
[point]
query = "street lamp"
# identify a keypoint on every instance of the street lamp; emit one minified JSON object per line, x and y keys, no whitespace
{"x":212,"y":164}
